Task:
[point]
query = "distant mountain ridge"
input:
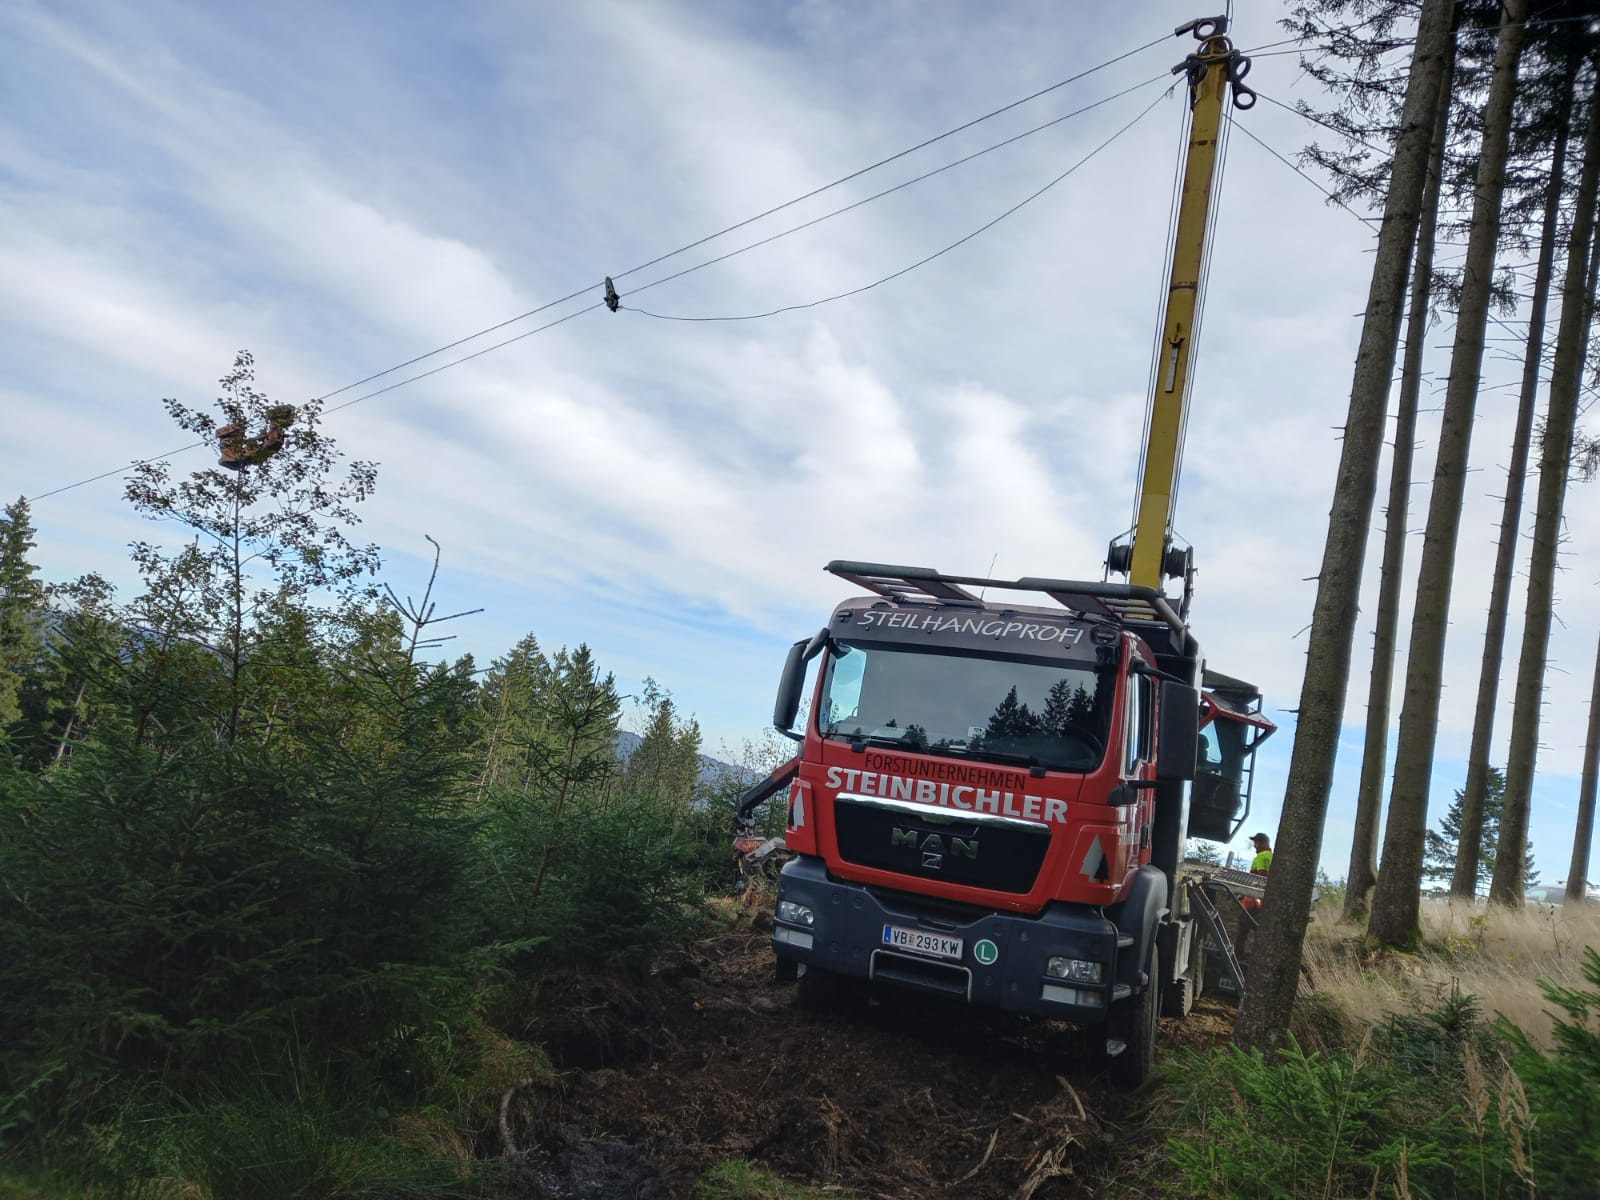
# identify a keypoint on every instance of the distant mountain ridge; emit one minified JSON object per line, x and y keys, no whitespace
{"x":713,"y":771}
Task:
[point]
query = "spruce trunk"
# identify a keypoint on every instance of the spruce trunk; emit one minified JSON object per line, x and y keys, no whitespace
{"x":1555,"y":459}
{"x":1275,"y":956}
{"x":1375,"y":746}
{"x":1469,"y":847}
{"x":1396,"y":899}
{"x":1583,"y":835}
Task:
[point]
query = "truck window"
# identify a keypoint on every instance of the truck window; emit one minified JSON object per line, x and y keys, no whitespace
{"x":1052,"y":712}
{"x":1222,"y":749}
{"x":1139,"y":738}
{"x":843,"y":700}
{"x":1147,"y":718}
{"x":1130,"y":732}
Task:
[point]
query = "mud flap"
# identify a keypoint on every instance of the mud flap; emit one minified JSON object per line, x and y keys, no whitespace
{"x":1139,"y":917}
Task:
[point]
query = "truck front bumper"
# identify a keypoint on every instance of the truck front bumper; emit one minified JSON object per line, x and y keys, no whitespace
{"x":1003,"y":960}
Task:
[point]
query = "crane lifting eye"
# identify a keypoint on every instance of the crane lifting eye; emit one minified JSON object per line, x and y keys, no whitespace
{"x":1203,"y":28}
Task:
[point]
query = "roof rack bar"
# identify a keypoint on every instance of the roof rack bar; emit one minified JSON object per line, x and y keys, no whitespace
{"x":1120,"y":602}
{"x":901,"y":582}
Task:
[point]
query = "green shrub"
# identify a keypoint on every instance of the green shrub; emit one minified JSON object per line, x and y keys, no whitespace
{"x":620,"y":882}
{"x":243,"y":823}
{"x":175,"y":910}
{"x":1425,"y":1109}
{"x":269,"y":1146}
{"x":1563,"y":1090}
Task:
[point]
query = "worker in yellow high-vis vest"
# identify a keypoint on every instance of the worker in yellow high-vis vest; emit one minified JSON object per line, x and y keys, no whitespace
{"x":1262,"y":862}
{"x":1259,"y":865}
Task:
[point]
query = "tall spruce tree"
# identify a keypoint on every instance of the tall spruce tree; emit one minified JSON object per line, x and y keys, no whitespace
{"x":1396,"y":899}
{"x":1583,"y":831}
{"x":512,"y":717}
{"x":1555,"y":461}
{"x":664,"y":768}
{"x":578,"y":761}
{"x":272,"y":530}
{"x":1363,"y":874}
{"x":66,"y":693}
{"x":1439,"y":861}
{"x":1554,"y":131}
{"x":1264,"y":1015}
{"x":22,"y":609}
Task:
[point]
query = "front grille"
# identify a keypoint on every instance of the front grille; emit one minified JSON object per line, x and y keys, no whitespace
{"x":921,"y":974}
{"x":1000,"y":858}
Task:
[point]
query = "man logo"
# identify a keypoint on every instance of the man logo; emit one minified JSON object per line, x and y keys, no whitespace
{"x":933,"y":846}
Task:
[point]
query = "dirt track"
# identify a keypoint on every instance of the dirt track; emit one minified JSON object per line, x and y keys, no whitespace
{"x":908,"y":1098}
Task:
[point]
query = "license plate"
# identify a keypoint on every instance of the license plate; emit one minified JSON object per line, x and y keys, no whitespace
{"x":933,"y":945}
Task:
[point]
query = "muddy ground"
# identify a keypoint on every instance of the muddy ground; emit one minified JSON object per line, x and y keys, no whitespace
{"x":712,"y":1059}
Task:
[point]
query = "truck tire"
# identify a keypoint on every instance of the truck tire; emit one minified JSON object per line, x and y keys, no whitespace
{"x":785,"y":970}
{"x":1133,"y":1023}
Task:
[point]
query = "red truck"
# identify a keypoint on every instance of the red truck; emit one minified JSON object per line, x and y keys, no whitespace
{"x":997,"y":779}
{"x":992,"y":799}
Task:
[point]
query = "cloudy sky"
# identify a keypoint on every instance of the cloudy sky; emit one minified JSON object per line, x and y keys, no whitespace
{"x":341,"y":188}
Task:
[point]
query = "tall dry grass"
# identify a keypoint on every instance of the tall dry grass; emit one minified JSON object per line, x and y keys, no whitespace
{"x":1497,"y":956}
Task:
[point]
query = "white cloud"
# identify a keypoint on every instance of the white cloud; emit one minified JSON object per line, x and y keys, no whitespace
{"x":181,"y":182}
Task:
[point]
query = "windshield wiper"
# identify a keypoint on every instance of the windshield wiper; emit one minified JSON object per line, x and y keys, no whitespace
{"x":859,"y":740}
{"x":1008,"y":756}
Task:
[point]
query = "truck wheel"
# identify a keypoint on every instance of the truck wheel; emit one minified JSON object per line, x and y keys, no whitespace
{"x":1133,"y":1023}
{"x":785,"y":970}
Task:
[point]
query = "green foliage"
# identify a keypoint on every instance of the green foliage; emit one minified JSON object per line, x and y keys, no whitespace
{"x":622,"y":882}
{"x":1330,"y":891}
{"x":175,"y":908}
{"x":272,"y":532}
{"x":665,"y":767}
{"x":1439,"y":852}
{"x":272,"y":1135}
{"x":60,"y":700}
{"x":1427,"y":1107}
{"x":269,"y":1145}
{"x":1564,"y":1089}
{"x":21,"y":608}
{"x":244,"y":822}
{"x":1204,"y":852}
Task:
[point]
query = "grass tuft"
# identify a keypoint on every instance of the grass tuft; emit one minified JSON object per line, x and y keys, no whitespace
{"x":740,"y":1179}
{"x":1497,"y":956}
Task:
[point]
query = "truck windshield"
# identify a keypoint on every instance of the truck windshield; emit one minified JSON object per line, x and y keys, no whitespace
{"x":1054,"y":714}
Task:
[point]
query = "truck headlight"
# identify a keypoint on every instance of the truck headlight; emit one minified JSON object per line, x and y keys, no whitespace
{"x":795,"y":914}
{"x":1079,"y":970}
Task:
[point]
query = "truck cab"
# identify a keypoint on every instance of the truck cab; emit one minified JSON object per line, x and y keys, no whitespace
{"x":990,"y":798}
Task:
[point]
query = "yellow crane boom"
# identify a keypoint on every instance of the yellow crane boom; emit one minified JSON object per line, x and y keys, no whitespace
{"x":1212,"y":69}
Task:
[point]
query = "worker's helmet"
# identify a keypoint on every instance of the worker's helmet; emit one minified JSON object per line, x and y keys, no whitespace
{"x":1259,"y":838}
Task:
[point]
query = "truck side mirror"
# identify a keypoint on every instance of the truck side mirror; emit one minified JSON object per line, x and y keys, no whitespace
{"x":792,"y":681}
{"x":1179,"y":739}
